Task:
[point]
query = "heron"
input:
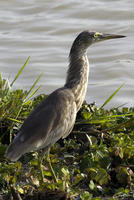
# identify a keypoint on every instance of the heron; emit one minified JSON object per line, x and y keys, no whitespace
{"x":55,"y":116}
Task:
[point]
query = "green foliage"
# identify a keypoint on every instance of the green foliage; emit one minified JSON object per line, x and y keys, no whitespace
{"x":96,"y":161}
{"x":111,"y":96}
{"x":15,"y":105}
{"x":86,"y":196}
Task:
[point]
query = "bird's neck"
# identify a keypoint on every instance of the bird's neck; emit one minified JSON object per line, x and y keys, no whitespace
{"x":77,"y":77}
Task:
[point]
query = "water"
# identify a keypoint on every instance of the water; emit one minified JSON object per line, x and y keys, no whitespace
{"x":45,"y":31}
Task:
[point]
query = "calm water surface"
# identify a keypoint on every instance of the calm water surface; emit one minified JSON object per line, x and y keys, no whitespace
{"x":45,"y":31}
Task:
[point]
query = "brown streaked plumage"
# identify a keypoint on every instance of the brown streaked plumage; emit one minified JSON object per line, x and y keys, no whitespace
{"x":54,"y":117}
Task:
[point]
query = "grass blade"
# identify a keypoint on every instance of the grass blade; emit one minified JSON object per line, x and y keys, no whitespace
{"x":21,"y":69}
{"x":35,"y":83}
{"x":15,"y":120}
{"x":27,"y":100}
{"x":109,"y":99}
{"x":89,"y":139}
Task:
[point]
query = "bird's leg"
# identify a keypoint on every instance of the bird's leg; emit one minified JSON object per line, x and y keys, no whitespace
{"x":50,"y":166}
{"x":40,"y":160}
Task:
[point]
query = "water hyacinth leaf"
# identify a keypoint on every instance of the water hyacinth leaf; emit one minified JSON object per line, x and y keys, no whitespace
{"x":51,"y":186}
{"x":47,"y":173}
{"x":91,"y":185}
{"x":122,"y":174}
{"x":2,"y":150}
{"x":90,"y":170}
{"x":78,"y":178}
{"x":86,"y":115}
{"x":34,"y":162}
{"x":79,"y":166}
{"x":86,"y":196}
{"x":101,"y":176}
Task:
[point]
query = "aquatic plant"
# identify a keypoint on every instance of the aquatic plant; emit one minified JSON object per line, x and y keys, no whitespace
{"x":95,"y":161}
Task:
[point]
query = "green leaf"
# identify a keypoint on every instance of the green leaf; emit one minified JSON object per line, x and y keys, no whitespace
{"x":86,"y":115}
{"x":2,"y":150}
{"x":89,"y":139}
{"x":26,"y":101}
{"x":47,"y":173}
{"x":39,"y":77}
{"x":91,"y":185}
{"x":109,"y":99}
{"x":21,"y":69}
{"x":78,"y":178}
{"x":14,"y":120}
{"x":86,"y":196}
{"x":65,"y":171}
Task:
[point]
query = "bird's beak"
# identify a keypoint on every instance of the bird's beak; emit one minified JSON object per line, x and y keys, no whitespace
{"x":102,"y":36}
{"x":110,"y":36}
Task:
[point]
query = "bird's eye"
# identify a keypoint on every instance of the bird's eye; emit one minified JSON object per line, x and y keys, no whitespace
{"x":97,"y":34}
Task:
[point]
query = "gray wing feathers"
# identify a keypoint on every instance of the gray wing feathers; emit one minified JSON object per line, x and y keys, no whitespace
{"x":52,"y":119}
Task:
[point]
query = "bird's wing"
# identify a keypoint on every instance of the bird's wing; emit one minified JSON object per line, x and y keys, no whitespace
{"x":53,"y":117}
{"x":49,"y":121}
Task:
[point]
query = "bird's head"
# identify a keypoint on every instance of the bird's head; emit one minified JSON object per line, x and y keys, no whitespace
{"x":87,"y":38}
{"x":90,"y":37}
